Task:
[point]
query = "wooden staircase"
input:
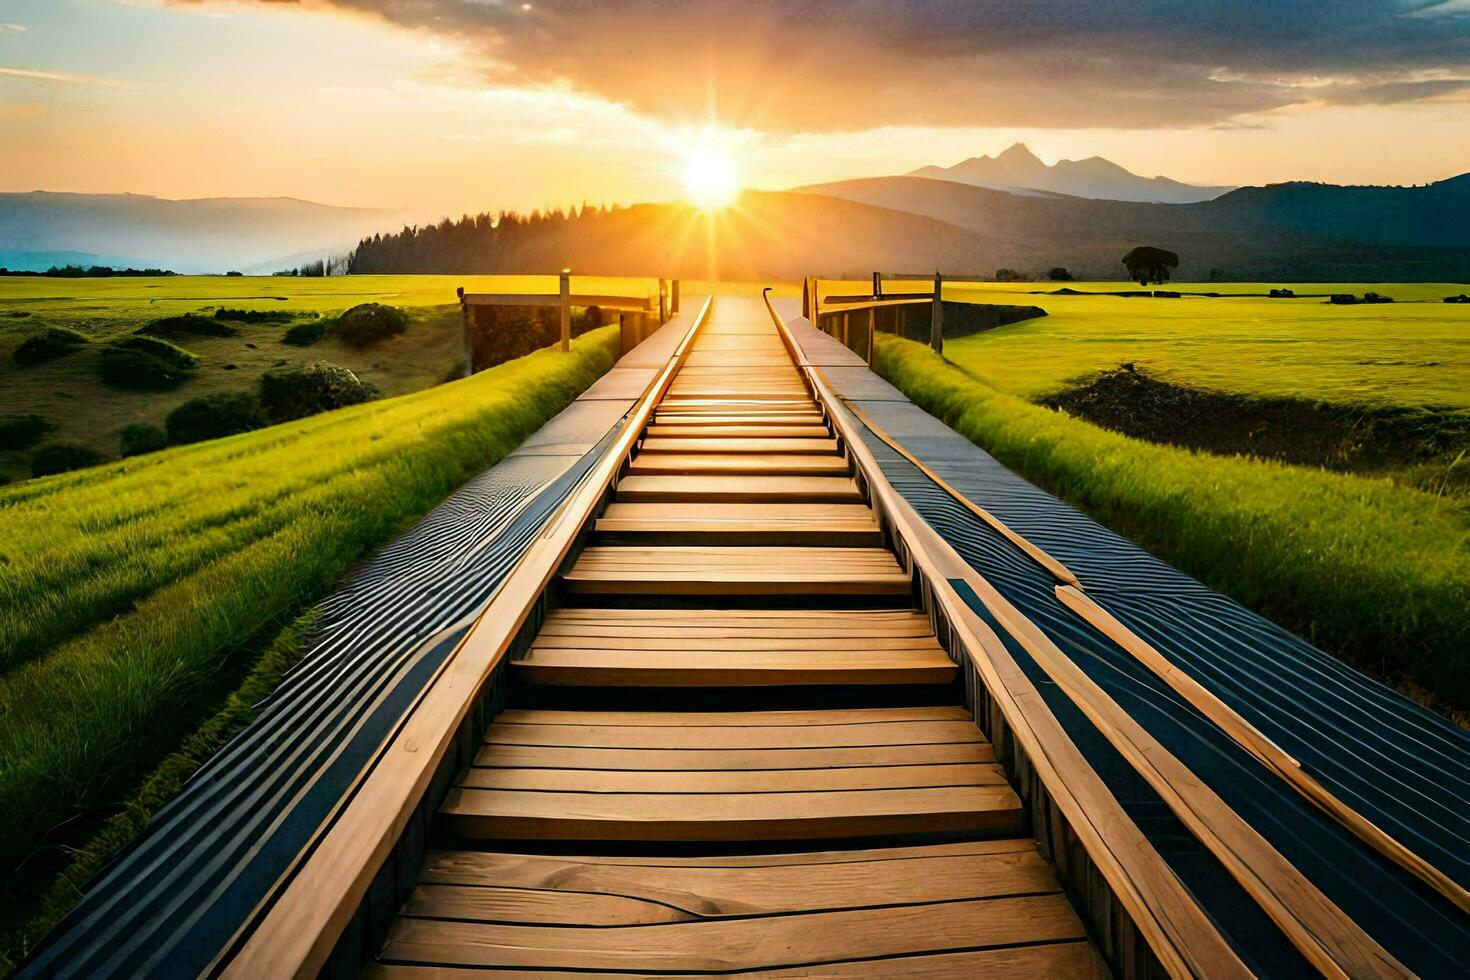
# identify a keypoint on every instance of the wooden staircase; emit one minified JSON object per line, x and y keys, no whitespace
{"x":864,"y":829}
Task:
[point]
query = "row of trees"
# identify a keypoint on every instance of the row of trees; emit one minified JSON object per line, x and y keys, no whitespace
{"x":465,"y":246}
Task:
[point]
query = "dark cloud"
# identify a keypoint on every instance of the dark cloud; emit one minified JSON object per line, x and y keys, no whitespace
{"x":852,"y":64}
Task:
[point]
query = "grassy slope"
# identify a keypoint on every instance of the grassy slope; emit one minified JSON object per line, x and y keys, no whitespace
{"x":68,"y":393}
{"x":136,"y":595}
{"x":1372,"y":571}
{"x":1413,"y":352}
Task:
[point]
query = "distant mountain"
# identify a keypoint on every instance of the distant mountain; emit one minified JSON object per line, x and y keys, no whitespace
{"x":1019,"y":171}
{"x":203,"y":235}
{"x":1283,"y":231}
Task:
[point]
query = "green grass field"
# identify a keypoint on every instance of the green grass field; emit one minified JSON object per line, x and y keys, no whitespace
{"x":1413,"y":352}
{"x":136,"y":596}
{"x":70,"y":396}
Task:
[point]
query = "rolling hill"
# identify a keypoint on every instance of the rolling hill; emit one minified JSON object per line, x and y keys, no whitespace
{"x":1018,"y":171}
{"x":203,"y":235}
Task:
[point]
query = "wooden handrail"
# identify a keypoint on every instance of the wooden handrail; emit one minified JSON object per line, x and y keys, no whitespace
{"x":1324,"y":934}
{"x":1181,"y":935}
{"x":321,"y":893}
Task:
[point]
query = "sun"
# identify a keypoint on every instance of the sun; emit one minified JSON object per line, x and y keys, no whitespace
{"x":710,"y":180}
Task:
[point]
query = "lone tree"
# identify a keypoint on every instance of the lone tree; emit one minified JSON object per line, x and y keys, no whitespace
{"x":1147,"y":264}
{"x":1059,"y":274}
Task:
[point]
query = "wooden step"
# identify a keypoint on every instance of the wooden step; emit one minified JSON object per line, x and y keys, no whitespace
{"x":736,"y":571}
{"x":833,"y":525}
{"x":664,"y":430}
{"x":706,"y":648}
{"x":738,"y":489}
{"x":700,"y":444}
{"x":768,"y":464}
{"x":790,"y":800}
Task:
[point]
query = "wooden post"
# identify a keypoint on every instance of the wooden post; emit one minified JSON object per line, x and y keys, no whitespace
{"x":936,"y":325}
{"x":877,"y":285}
{"x":674,"y":300}
{"x":663,"y":301}
{"x":464,"y":322}
{"x":872,"y":327}
{"x":566,"y":311}
{"x":806,"y":297}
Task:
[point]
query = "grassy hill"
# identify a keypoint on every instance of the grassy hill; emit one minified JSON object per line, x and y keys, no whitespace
{"x":146,"y":605}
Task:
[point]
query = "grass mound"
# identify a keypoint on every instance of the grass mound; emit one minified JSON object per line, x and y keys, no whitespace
{"x":48,"y":345}
{"x":304,"y":334}
{"x":1367,"y":569}
{"x":144,"y":363}
{"x":139,"y":594}
{"x":294,"y":393}
{"x":63,"y":457}
{"x":368,"y":323}
{"x":263,"y":316}
{"x":213,"y":417}
{"x":188,"y":325}
{"x":22,"y":431}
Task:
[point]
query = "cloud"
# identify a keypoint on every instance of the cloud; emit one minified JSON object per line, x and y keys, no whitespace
{"x":817,"y":65}
{"x":63,"y":77}
{"x":13,"y":28}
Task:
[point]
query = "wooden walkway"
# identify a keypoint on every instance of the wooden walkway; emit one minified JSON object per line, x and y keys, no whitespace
{"x":604,"y":827}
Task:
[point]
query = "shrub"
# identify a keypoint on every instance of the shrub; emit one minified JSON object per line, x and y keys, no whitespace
{"x":59,"y":457}
{"x":264,"y":316}
{"x":139,"y":439}
{"x":1058,"y":274}
{"x":1282,"y":293}
{"x":368,"y":323}
{"x":145,"y":364}
{"x":304,"y":334}
{"x":22,"y":431}
{"x":47,"y":346}
{"x":188,"y":325}
{"x":311,"y":388}
{"x":1009,"y":275}
{"x":213,"y":417}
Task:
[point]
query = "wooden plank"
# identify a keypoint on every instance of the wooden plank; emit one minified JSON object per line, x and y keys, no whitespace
{"x":726,"y":945}
{"x":670,"y":430}
{"x":714,"y":892}
{"x":732,"y":668}
{"x":667,"y":760}
{"x":516,"y":815}
{"x":734,"y":737}
{"x":1075,"y":960}
{"x":500,"y":903}
{"x":743,"y":447}
{"x":701,"y":719}
{"x":738,"y":489}
{"x":768,"y":464}
{"x":737,"y":781}
{"x":737,"y":571}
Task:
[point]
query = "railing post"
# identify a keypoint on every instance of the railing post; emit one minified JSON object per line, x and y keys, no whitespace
{"x":872,"y":327}
{"x":877,"y":285}
{"x":566,"y":310}
{"x":674,"y":300}
{"x":663,"y":301}
{"x":806,"y":298}
{"x":936,"y":324}
{"x":464,"y":322}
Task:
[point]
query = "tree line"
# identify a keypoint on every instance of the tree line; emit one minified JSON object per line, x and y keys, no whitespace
{"x":467,"y":246}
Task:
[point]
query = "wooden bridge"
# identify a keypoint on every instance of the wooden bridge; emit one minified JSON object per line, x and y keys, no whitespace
{"x":727,"y":713}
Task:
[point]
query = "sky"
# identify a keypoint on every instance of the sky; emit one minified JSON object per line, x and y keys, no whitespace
{"x":439,"y":107}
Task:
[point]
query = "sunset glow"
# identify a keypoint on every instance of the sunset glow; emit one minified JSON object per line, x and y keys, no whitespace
{"x":710,"y":180}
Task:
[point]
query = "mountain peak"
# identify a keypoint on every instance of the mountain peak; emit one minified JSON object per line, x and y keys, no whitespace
{"x":1017,"y":153}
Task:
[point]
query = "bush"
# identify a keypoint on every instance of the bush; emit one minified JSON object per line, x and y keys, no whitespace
{"x":1058,"y":274}
{"x":53,"y":343}
{"x":59,"y":457}
{"x":1282,"y":293}
{"x":22,"y":431}
{"x":368,"y":323}
{"x":311,"y":388}
{"x":213,"y":417}
{"x":1009,"y":275}
{"x":304,"y":334}
{"x":188,"y":325}
{"x":264,"y":316}
{"x":139,"y":439}
{"x":146,"y":364}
